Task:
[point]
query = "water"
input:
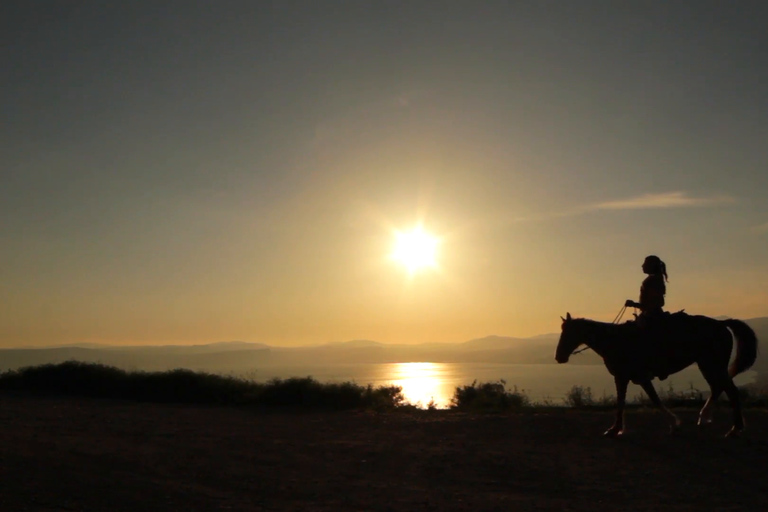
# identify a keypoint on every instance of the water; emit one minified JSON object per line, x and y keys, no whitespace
{"x":425,"y":382}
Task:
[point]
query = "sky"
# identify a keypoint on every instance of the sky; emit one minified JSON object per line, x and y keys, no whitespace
{"x":198,"y":171}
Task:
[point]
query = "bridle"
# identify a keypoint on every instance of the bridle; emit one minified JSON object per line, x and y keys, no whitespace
{"x":616,"y":320}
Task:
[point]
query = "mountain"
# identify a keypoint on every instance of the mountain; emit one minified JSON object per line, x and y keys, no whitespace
{"x":243,"y":356}
{"x":139,"y":358}
{"x":354,"y":344}
{"x":492,"y":342}
{"x":760,"y":326}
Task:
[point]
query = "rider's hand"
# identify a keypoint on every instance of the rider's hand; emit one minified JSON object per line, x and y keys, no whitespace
{"x":629,"y":304}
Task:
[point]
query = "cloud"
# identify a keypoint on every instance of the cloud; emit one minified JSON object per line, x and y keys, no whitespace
{"x":663,"y":200}
{"x":641,"y":202}
{"x":762,"y":228}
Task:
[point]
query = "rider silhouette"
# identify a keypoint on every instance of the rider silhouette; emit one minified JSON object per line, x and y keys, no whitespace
{"x":652,"y":291}
{"x":651,"y":306}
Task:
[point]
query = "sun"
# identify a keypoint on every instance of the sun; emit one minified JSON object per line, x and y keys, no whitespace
{"x":415,"y":249}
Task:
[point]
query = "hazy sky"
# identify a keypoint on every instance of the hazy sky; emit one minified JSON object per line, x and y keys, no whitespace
{"x":197,"y":171}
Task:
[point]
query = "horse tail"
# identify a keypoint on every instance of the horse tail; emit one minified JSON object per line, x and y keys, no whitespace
{"x":746,"y":346}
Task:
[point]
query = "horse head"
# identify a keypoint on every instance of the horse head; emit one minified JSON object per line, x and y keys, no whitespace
{"x":570,"y":339}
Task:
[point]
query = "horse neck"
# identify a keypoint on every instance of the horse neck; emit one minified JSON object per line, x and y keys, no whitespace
{"x":597,"y":334}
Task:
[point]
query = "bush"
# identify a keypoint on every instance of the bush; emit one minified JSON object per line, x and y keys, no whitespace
{"x":672,"y":398}
{"x":307,"y":392}
{"x":488,"y":396}
{"x":384,"y":397}
{"x":755,"y":394}
{"x":579,"y":397}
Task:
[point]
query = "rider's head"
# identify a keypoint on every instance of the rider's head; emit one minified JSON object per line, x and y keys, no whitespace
{"x":654,"y":265}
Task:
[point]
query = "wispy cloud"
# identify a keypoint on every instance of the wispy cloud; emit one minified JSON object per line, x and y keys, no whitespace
{"x":641,"y":202}
{"x":662,"y":200}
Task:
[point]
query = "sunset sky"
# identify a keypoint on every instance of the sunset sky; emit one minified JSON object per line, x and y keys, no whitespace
{"x":200,"y":171}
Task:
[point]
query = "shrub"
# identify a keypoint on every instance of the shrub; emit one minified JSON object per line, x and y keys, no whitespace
{"x":488,"y":396}
{"x":579,"y":397}
{"x":384,"y":397}
{"x":755,"y":394}
{"x":670,"y":397}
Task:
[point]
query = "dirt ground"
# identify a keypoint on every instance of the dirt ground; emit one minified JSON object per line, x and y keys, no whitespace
{"x":94,"y":455}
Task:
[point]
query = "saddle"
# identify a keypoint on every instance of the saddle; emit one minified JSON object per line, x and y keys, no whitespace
{"x":658,"y":332}
{"x":655,"y":320}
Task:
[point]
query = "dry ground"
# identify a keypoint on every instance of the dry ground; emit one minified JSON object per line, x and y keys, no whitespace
{"x":96,"y":455}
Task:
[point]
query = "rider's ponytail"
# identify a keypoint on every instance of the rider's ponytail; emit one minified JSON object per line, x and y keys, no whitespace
{"x":660,"y":266}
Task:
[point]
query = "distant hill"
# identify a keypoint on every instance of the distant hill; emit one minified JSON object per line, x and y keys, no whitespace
{"x":140,"y":358}
{"x":760,"y":326}
{"x":243,"y":356}
{"x":355,"y":344}
{"x":500,"y":342}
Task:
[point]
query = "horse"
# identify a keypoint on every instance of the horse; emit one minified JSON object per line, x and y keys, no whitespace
{"x":634,"y":354}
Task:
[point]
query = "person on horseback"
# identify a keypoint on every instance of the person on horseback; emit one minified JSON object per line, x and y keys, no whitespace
{"x":651,"y":306}
{"x":652,"y":291}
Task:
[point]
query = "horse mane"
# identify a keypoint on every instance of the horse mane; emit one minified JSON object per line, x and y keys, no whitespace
{"x":589,"y":321}
{"x":608,"y":328}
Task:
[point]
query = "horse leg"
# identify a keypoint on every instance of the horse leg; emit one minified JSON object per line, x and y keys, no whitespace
{"x":621,"y":396}
{"x":733,"y":396}
{"x":647,"y":386}
{"x":717,"y":376}
{"x":705,"y":415}
{"x":715,"y":388}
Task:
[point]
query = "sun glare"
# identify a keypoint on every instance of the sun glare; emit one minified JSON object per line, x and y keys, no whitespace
{"x":415,"y":249}
{"x":423,"y":383}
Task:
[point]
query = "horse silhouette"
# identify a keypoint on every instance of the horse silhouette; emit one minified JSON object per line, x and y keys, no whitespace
{"x":679,"y":340}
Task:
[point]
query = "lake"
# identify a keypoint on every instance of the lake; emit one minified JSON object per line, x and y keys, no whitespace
{"x":426,"y":381}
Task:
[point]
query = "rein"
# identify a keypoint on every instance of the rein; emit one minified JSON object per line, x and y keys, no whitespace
{"x":616,"y":320}
{"x":619,"y":316}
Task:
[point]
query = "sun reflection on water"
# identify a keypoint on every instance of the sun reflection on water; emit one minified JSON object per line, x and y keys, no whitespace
{"x":422,"y":383}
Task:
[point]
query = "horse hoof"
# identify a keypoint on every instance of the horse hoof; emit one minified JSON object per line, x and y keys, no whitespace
{"x":734,"y":432}
{"x":613,"y":433}
{"x":704,"y":423}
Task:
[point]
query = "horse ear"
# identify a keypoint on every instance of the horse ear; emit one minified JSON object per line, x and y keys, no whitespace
{"x":567,"y":316}
{"x":563,"y":319}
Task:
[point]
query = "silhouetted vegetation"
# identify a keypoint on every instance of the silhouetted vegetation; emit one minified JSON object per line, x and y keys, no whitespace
{"x":489,"y":396}
{"x":307,"y":392}
{"x":755,"y":395}
{"x":95,"y":380}
{"x":671,"y":397}
{"x":186,"y":386}
{"x":580,"y":397}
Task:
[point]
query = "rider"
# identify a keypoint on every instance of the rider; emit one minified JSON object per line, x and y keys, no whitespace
{"x":651,"y":305}
{"x":652,"y":290}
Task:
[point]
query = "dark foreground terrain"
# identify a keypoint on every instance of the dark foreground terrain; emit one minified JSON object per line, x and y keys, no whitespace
{"x":85,"y":454}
